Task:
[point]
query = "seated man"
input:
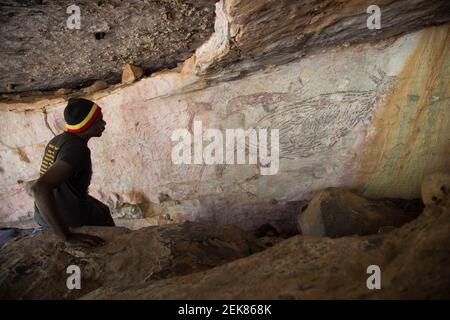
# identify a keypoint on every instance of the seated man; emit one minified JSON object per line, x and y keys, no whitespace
{"x":61,"y":192}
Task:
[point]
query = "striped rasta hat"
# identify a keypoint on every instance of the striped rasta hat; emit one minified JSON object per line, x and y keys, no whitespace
{"x":79,"y":114}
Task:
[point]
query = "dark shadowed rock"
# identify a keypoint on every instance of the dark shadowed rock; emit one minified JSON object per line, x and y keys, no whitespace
{"x":435,"y":188}
{"x":96,"y":86}
{"x":260,"y":33}
{"x":336,"y":212}
{"x":35,"y":267}
{"x":413,"y":260}
{"x":40,"y":52}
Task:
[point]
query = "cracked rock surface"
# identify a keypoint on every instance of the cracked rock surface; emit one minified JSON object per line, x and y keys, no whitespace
{"x":39,"y":52}
{"x":253,"y":34}
{"x":35,"y":267}
{"x":413,"y":261}
{"x":370,"y":117}
{"x":356,"y":108}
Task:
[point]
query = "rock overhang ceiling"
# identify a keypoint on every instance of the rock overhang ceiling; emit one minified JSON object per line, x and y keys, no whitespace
{"x":40,"y":52}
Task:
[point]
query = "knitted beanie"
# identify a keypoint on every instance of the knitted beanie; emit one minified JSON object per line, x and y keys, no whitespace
{"x":79,"y":114}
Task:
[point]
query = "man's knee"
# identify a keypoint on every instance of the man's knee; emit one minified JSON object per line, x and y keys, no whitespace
{"x":101,"y":215}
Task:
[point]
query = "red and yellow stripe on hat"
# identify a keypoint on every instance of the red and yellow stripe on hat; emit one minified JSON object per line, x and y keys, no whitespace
{"x":86,"y":122}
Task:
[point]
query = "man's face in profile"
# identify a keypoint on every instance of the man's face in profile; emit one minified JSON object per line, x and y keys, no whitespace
{"x":97,"y":128}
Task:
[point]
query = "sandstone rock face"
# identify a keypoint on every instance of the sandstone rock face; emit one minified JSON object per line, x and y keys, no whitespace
{"x":131,"y":73}
{"x":371,"y":117}
{"x":347,"y":118}
{"x":39,"y":51}
{"x":35,"y":267}
{"x":96,"y":86}
{"x":336,"y":213}
{"x":63,"y":91}
{"x":413,"y":261}
{"x":355,"y":108}
{"x":251,"y":34}
{"x":435,"y":188}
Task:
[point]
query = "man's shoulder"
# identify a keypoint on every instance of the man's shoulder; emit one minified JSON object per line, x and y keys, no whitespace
{"x":65,"y":139}
{"x":66,"y":143}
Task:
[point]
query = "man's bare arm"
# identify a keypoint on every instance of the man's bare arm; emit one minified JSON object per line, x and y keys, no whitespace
{"x":42,"y":191}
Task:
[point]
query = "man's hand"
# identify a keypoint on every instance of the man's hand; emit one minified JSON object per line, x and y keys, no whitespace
{"x":83,"y":240}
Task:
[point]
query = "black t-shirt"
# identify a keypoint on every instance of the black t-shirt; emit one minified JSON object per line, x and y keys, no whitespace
{"x":72,"y":200}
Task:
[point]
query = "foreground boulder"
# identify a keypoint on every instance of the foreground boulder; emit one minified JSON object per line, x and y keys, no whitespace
{"x":336,"y":212}
{"x":414,"y":263}
{"x":35,"y":267}
{"x":435,"y":189}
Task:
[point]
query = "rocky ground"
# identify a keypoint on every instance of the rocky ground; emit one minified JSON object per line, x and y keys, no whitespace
{"x":358,"y":108}
{"x":35,"y":267}
{"x":206,"y":261}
